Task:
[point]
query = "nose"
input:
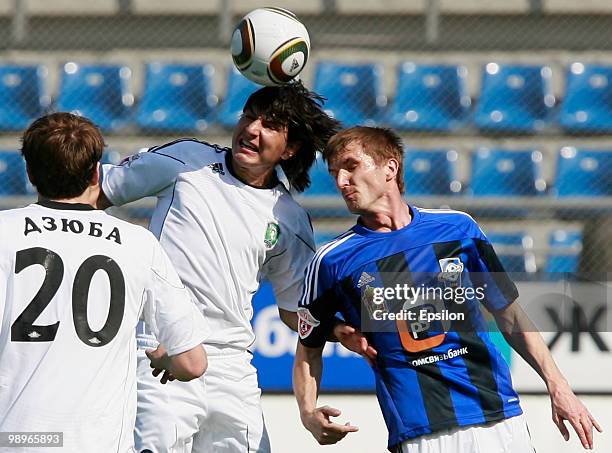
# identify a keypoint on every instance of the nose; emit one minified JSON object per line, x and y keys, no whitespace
{"x":342,"y":179}
{"x":254,"y":126}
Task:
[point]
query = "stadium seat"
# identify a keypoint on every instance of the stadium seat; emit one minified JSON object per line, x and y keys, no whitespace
{"x":13,"y":178}
{"x":176,"y":97}
{"x":99,"y":92}
{"x":565,"y":248}
{"x":239,"y":88}
{"x":506,"y":173}
{"x":514,"y":250}
{"x":353,"y":91}
{"x":514,"y":99}
{"x":587,"y":106}
{"x":23,"y":95}
{"x":583,"y":173}
{"x":429,"y":98}
{"x":430,"y":172}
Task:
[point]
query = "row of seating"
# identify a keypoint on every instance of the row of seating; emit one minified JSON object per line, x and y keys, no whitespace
{"x":515,"y":99}
{"x":515,"y":250}
{"x":494,"y":172}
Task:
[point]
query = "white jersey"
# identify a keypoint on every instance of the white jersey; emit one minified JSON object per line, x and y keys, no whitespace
{"x":222,"y":235}
{"x":73,"y":284}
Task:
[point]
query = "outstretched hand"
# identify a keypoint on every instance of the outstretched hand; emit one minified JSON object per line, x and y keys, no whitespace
{"x":159,"y":362}
{"x":567,"y":406}
{"x":353,"y":340}
{"x":323,"y":429}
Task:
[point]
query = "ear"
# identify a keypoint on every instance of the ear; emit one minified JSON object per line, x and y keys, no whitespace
{"x":95,"y":178}
{"x":391,"y":168}
{"x":291,"y":150}
{"x":30,"y":175}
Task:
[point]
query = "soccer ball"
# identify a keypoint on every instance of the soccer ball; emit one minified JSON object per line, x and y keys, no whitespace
{"x":270,"y":46}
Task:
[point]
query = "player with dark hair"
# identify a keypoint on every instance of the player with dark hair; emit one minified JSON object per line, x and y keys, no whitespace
{"x":74,"y":282}
{"x":227,"y":221}
{"x":442,"y":386}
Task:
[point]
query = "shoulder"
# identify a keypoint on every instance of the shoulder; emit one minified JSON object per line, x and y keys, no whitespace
{"x":451,"y":219}
{"x":333,"y":253}
{"x":185,"y":150}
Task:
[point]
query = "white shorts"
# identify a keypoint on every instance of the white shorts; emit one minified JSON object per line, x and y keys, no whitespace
{"x":219,"y":412}
{"x":507,"y":436}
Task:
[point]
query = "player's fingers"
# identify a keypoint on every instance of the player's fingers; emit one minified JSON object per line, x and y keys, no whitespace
{"x":330,"y":411}
{"x":587,"y":427}
{"x":562,"y":428}
{"x":156,"y":371}
{"x":575,"y":422}
{"x":595,"y":424}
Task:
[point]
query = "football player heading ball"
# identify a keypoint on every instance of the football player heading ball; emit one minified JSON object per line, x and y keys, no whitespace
{"x":227,"y":222}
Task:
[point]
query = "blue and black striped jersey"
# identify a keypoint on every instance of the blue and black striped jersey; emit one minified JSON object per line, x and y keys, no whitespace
{"x":431,"y":373}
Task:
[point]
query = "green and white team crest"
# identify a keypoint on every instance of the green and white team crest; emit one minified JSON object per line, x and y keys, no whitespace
{"x":272,"y":234}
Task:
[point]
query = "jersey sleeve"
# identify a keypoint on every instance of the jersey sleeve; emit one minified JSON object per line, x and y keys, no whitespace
{"x":169,"y":311}
{"x":318,"y":304}
{"x":142,"y":175}
{"x":285,"y":266}
{"x":489,"y":274}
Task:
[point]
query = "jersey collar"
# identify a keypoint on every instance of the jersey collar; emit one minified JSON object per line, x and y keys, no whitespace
{"x":65,"y":206}
{"x":230,"y":168}
{"x":362,"y":230}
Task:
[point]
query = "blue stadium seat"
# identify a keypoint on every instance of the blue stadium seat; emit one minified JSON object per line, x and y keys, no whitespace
{"x":239,"y":88}
{"x":99,"y":92}
{"x":514,"y":99}
{"x":564,"y":255}
{"x":353,"y":91}
{"x":429,"y":98}
{"x":514,"y":250}
{"x":430,"y":172}
{"x":23,"y":95}
{"x":505,"y":173}
{"x":13,"y":178}
{"x":583,"y":173}
{"x":321,"y":183}
{"x":587,"y":106}
{"x":177,"y":97}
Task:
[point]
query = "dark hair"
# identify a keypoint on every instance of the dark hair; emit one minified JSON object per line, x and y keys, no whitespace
{"x":300,"y":110}
{"x":379,"y":142}
{"x":61,"y":151}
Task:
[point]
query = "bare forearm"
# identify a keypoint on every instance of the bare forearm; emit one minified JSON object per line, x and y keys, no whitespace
{"x":523,"y":337}
{"x":307,"y":371}
{"x":531,"y":347}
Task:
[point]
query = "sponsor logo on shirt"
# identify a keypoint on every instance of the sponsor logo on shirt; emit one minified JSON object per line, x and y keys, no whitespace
{"x":128,"y":160}
{"x":451,"y":271}
{"x":365,"y":279}
{"x":271,"y":236}
{"x":306,"y":322}
{"x":217,"y":168}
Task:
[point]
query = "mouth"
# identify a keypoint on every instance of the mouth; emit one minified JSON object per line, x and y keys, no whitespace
{"x":242,"y":143}
{"x":349,"y":195}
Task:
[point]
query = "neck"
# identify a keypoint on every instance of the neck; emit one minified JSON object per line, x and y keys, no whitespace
{"x":88,"y":197}
{"x":253,"y":176}
{"x":391,"y":214}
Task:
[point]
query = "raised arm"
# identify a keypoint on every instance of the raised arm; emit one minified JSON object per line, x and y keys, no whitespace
{"x":522,"y":336}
